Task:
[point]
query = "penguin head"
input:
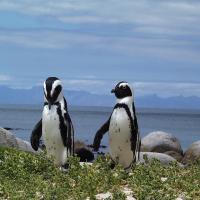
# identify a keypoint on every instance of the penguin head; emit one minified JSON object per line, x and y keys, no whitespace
{"x":122,"y":90}
{"x":52,"y":90}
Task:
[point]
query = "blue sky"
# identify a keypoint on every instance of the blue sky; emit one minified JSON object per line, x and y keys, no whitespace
{"x":93,"y":44}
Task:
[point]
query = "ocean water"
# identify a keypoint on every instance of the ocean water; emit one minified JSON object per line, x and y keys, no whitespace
{"x":184,"y":124}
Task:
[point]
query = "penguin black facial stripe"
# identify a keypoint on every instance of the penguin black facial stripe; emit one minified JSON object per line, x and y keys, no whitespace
{"x":52,"y":89}
{"x":48,"y":86}
{"x":56,"y":93}
{"x":55,"y":84}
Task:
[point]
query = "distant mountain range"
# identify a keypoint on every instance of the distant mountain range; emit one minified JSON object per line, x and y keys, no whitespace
{"x":82,"y":98}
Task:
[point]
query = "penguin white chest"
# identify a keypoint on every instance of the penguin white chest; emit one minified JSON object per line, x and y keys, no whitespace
{"x":119,"y":137}
{"x":52,"y":135}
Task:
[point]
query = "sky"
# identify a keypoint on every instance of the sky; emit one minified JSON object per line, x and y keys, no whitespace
{"x":92,"y":44}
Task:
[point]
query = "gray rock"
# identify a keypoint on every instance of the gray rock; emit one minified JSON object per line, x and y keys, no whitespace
{"x":163,"y":158}
{"x":175,"y":155}
{"x":160,"y":142}
{"x":83,"y":152}
{"x":7,"y":139}
{"x":192,"y":154}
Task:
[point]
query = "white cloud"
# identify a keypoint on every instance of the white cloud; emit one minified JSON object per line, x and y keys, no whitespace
{"x":4,"y":78}
{"x":89,"y":85}
{"x":162,"y":89}
{"x":158,"y":29}
{"x":166,"y":89}
{"x":103,"y":86}
{"x":163,"y":48}
{"x":44,"y":39}
{"x":83,"y":82}
{"x":171,"y":14}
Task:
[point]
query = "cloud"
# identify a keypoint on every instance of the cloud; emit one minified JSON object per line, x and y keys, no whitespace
{"x":141,"y":12}
{"x":159,"y":48}
{"x":47,"y":38}
{"x":143,"y":15}
{"x":166,"y":30}
{"x":162,"y":89}
{"x":4,"y":78}
{"x":103,"y":86}
{"x":89,"y":85}
{"x":166,"y":89}
{"x":153,"y":32}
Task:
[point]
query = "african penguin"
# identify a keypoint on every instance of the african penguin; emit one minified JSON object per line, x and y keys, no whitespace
{"x":56,"y":125}
{"x":124,"y":138}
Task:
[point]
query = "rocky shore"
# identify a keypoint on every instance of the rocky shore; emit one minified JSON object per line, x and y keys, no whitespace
{"x":156,"y":145}
{"x":167,"y":144}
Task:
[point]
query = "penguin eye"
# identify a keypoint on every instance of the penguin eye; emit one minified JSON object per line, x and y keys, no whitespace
{"x":123,"y":87}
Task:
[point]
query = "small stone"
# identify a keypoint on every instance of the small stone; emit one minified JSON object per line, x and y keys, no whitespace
{"x":104,"y":196}
{"x":129,"y":193}
{"x":181,"y":197}
{"x":163,"y":179}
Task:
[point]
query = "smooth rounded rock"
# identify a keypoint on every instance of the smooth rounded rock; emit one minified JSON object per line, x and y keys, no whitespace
{"x":7,"y":139}
{"x":192,"y":154}
{"x":163,"y":158}
{"x":160,"y":142}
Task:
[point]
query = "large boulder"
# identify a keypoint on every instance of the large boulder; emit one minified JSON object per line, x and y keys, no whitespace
{"x":163,"y":158}
{"x":192,"y":154}
{"x":7,"y":139}
{"x":161,"y":142}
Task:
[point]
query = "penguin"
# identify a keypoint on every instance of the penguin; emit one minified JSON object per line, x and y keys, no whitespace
{"x":55,"y":126}
{"x":122,"y":128}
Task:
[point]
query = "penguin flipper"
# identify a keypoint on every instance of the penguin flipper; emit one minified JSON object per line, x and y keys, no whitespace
{"x":99,"y":135}
{"x":70,"y":133}
{"x":36,"y":135}
{"x":136,"y":141}
{"x":69,"y":137}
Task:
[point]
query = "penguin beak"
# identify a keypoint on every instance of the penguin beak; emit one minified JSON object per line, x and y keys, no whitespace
{"x":49,"y":104}
{"x":113,"y":91}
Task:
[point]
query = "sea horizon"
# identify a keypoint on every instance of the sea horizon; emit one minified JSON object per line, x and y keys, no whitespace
{"x":182,"y":123}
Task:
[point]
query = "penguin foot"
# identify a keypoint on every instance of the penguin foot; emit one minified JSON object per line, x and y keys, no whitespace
{"x":112,"y":165}
{"x":65,"y":167}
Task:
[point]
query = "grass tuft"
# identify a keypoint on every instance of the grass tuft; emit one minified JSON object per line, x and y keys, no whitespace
{"x":27,"y":176}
